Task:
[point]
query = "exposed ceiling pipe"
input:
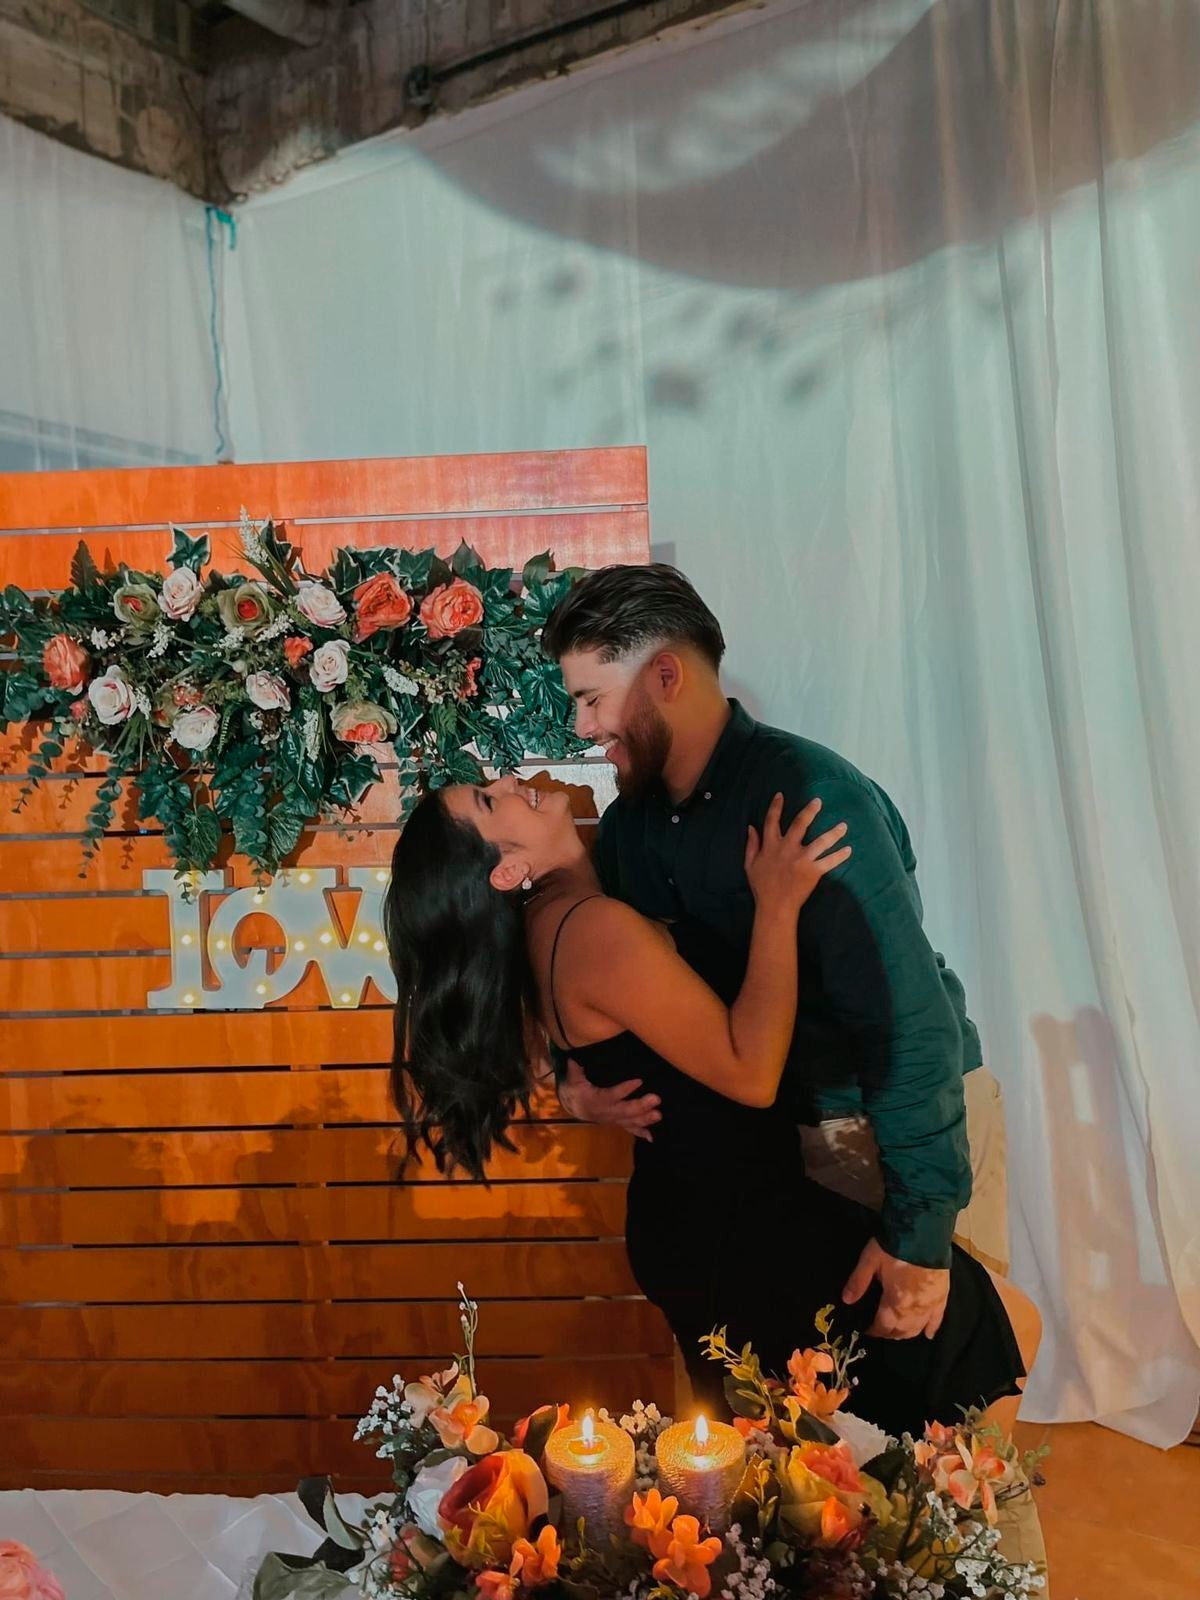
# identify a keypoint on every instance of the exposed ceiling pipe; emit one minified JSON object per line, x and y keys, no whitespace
{"x":301,"y":21}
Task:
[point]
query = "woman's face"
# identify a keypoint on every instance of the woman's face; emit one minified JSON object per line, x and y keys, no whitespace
{"x":532,"y":828}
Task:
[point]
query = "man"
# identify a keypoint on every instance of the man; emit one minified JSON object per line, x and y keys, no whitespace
{"x":884,"y":1074}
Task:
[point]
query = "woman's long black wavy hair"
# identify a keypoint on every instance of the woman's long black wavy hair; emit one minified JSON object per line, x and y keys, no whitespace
{"x":465,"y":1021}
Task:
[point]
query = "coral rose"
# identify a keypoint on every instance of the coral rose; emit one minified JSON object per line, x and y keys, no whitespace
{"x":22,"y":1577}
{"x":295,"y":649}
{"x":491,"y":1506}
{"x":379,"y":603}
{"x":65,"y":662}
{"x":450,"y":609}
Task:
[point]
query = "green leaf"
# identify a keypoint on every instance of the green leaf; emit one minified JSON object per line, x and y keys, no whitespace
{"x":537,"y":570}
{"x":809,"y":1427}
{"x":537,"y":1435}
{"x":311,"y":1493}
{"x":201,"y":829}
{"x":285,"y":824}
{"x":887,"y":1467}
{"x":742,"y":1402}
{"x":85,"y":574}
{"x":467,"y":563}
{"x":283,"y":1577}
{"x":336,"y":1527}
{"x":189,"y":552}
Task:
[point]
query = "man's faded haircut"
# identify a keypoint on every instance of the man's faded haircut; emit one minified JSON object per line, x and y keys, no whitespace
{"x":620,"y":611}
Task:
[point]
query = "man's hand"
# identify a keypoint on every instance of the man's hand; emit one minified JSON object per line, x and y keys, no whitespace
{"x":914,"y":1298}
{"x":587,"y":1103}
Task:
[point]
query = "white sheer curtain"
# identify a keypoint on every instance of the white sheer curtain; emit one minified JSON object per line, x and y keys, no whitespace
{"x":106,"y":356}
{"x":901,"y":295}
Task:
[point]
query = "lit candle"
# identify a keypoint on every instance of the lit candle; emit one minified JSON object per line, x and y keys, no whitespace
{"x":701,"y":1463}
{"x":594,"y":1469}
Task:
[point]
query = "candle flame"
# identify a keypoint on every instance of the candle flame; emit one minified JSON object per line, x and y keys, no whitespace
{"x":589,"y":1429}
{"x":702,"y":1429}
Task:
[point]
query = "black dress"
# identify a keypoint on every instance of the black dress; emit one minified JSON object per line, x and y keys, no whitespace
{"x":723,"y":1228}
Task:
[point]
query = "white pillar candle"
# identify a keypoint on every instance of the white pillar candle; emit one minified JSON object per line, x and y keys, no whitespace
{"x":593,"y":1466}
{"x":701,"y":1464}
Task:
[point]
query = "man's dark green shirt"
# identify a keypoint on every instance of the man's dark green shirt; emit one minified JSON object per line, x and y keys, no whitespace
{"x":881,"y":1024}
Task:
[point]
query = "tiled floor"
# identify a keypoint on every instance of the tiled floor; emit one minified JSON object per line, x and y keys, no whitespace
{"x":1122,"y":1521}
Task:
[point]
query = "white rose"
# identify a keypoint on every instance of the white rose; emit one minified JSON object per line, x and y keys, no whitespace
{"x":111,"y":697}
{"x":182,"y":592}
{"x":866,"y":1441}
{"x":330,"y":665}
{"x":427,"y":1490}
{"x":320,"y":605}
{"x":268,"y":692}
{"x":196,"y":730}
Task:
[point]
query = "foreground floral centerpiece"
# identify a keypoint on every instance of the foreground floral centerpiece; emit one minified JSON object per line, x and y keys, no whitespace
{"x":258,"y":703}
{"x":828,"y":1508}
{"x":22,"y":1577}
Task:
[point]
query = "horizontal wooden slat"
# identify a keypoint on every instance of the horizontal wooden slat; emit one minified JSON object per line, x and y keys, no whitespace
{"x":301,"y":1388}
{"x":412,"y":1333}
{"x":297,"y":1272}
{"x":415,"y":485}
{"x":119,"y":922}
{"x":44,"y":865}
{"x":250,"y":1038}
{"x":194,"y":1099}
{"x":544,"y":1150}
{"x":587,"y":539}
{"x":391,"y":1213}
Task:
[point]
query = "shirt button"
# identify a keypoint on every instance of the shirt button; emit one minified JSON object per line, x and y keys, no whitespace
{"x":671,"y":881}
{"x":708,"y":794}
{"x":674,"y":819}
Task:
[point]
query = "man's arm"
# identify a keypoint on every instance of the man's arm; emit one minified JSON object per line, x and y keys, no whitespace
{"x":878,"y":972}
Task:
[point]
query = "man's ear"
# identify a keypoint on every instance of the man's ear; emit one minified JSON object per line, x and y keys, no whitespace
{"x":509,"y":873}
{"x":666,"y":674}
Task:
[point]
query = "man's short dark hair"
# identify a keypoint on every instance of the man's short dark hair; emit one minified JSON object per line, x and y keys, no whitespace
{"x":621,"y":610}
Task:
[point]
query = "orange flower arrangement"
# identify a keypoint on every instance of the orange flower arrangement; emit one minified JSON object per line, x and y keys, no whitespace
{"x":688,"y":1558}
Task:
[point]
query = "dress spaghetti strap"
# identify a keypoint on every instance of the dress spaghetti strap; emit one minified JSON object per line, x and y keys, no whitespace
{"x":567,"y":915}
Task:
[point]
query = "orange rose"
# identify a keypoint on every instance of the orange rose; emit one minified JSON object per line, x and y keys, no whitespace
{"x":688,"y":1558}
{"x":451,"y":608}
{"x":491,"y":1506}
{"x":65,"y":662}
{"x":380,"y":602}
{"x":295,"y":649}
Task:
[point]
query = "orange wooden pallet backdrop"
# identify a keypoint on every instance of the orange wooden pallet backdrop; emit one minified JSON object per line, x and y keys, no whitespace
{"x":205,"y":1268}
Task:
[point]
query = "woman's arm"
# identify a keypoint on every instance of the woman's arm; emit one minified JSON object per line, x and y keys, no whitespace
{"x":615,"y":969}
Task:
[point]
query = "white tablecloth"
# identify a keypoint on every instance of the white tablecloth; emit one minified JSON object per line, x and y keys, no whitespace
{"x":104,"y":1545}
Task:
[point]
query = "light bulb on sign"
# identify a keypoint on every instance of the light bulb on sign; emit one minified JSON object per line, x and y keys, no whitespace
{"x":298,"y":944}
{"x":306,"y":877}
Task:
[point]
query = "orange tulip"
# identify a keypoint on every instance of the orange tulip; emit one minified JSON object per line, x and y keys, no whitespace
{"x":688,"y":1558}
{"x":535,"y":1564}
{"x":649,"y":1521}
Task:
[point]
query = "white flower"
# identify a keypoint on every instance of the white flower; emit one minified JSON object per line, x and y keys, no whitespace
{"x":866,"y":1441}
{"x":195,"y":730}
{"x":428,"y":1489}
{"x":399,"y":683}
{"x":330,"y":665}
{"x":268,"y":692}
{"x":251,"y":538}
{"x":312,"y":735}
{"x":102,"y":640}
{"x":320,"y":605}
{"x":161,"y":641}
{"x":182,"y":592}
{"x":111,"y":697}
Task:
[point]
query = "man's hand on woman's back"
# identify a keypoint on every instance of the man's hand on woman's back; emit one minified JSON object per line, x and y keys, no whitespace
{"x":621,"y":1106}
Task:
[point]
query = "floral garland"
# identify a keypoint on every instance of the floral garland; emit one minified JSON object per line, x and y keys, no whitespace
{"x":255,"y":705}
{"x":829,"y":1507}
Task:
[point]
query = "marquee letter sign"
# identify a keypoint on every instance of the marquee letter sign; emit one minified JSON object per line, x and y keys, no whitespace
{"x":298,"y":902}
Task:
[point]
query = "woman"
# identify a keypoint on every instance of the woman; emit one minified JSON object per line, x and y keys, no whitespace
{"x":501,"y":937}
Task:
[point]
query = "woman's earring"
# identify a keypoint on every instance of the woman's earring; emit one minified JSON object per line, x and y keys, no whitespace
{"x":527,"y":885}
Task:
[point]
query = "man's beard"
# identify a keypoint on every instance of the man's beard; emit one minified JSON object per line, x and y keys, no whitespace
{"x":647,"y":741}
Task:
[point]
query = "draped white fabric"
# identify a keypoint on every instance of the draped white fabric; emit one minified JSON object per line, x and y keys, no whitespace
{"x":901,"y":297}
{"x":105,"y":352}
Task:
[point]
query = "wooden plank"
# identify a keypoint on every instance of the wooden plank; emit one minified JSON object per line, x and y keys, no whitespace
{"x":588,"y":539}
{"x":227,"y":1099}
{"x":416,"y":485}
{"x":89,"y":983}
{"x":40,"y":866}
{"x":385,"y":1332}
{"x":251,"y":1038}
{"x":272,"y":1388}
{"x":388,"y":1213}
{"x":136,"y":1274}
{"x":134,"y":921}
{"x":161,"y":1161}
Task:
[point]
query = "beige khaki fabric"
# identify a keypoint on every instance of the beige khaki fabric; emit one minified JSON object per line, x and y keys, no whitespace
{"x":842,"y":1155}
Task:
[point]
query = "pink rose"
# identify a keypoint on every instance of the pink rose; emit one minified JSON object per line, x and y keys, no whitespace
{"x":111,"y":697}
{"x":22,"y":1577}
{"x":330,"y":665}
{"x":65,"y":662}
{"x":182,"y":592}
{"x":380,"y":602}
{"x":196,"y":730}
{"x":320,"y":605}
{"x":268,"y":692}
{"x":451,"y":608}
